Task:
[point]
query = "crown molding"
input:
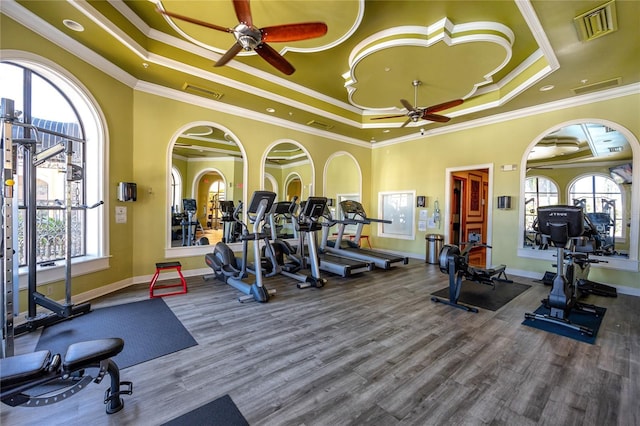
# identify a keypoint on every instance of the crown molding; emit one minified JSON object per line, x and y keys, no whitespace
{"x":177,"y":95}
{"x":41,"y":27}
{"x":604,"y":95}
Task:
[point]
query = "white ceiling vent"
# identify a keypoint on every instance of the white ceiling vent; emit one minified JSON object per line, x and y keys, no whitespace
{"x":202,"y":91}
{"x":597,"y":86}
{"x":597,"y":22}
{"x":319,"y":125}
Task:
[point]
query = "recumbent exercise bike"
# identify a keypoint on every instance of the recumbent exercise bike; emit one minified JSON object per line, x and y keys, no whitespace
{"x":562,"y":226}
{"x":456,"y":265}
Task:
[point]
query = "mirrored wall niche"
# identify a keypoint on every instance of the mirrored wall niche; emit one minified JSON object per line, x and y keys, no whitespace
{"x":207,"y":168}
{"x":288,"y":171}
{"x":588,"y":164}
{"x":342,"y":180}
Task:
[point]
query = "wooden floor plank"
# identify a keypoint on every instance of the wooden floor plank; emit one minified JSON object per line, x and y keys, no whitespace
{"x":370,"y":349}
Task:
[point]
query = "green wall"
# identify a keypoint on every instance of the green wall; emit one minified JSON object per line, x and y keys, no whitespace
{"x":116,"y":103}
{"x":141,"y":125}
{"x":421,"y":165}
{"x":153,"y":137}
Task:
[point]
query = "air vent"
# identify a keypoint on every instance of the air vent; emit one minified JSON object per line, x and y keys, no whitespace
{"x":319,"y":125}
{"x":597,"y":22}
{"x":202,"y":91}
{"x":615,"y":149}
{"x":597,"y":86}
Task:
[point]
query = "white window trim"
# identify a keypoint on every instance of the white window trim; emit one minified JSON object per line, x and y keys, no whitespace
{"x":97,"y":246}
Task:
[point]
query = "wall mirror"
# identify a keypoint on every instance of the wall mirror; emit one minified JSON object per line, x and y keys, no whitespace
{"x":342,"y":181}
{"x":207,"y":168}
{"x":287,"y":170}
{"x":588,"y":164}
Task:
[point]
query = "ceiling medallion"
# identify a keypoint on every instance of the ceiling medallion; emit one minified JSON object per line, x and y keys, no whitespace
{"x":444,"y":31}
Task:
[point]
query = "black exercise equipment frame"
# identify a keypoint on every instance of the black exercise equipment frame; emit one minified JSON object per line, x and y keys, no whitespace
{"x":456,"y":265}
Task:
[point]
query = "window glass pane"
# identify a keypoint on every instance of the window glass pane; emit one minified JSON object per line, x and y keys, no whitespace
{"x":49,"y":103}
{"x":11,"y":84}
{"x":55,"y":178}
{"x":600,"y":194}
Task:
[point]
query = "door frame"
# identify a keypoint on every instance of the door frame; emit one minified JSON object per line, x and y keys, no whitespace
{"x":447,"y":201}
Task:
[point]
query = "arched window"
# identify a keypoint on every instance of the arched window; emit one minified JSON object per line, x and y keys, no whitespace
{"x":600,"y":194}
{"x":49,"y":101}
{"x":538,"y":192}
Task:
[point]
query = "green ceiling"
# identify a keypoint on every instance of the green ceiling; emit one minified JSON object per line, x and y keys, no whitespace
{"x":494,"y":54}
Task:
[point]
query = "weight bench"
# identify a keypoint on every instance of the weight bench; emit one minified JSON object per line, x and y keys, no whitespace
{"x":20,"y":373}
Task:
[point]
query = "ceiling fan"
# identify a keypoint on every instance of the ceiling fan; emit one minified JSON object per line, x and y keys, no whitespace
{"x":417,"y":113}
{"x":249,"y":37}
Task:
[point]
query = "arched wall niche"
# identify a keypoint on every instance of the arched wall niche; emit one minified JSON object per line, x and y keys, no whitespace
{"x":342,"y":179}
{"x":203,"y":152}
{"x":285,"y":158}
{"x":582,"y":147}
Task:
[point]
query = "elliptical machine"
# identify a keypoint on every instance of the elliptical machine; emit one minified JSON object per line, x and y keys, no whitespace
{"x":289,"y":260}
{"x":561,"y":226}
{"x":231,"y":228}
{"x":231,"y":270}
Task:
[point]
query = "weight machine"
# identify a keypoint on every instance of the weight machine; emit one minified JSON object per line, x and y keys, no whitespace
{"x":32,"y":158}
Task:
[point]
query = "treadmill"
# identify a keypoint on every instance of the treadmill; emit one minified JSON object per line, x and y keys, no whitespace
{"x":338,"y":264}
{"x":354,"y":213}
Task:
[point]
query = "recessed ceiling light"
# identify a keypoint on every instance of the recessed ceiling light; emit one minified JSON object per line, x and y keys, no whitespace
{"x":387,"y":69}
{"x":271,"y":110}
{"x":547,"y":87}
{"x":583,"y":81}
{"x":386,"y":131}
{"x":73,"y":25}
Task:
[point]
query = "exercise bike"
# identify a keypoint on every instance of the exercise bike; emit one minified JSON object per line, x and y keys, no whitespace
{"x":232,"y":270}
{"x":562,"y":226}
{"x":579,"y":263}
{"x":456,"y":265}
{"x":21,"y":373}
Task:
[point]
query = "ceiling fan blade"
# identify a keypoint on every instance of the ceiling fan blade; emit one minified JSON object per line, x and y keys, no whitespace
{"x":406,"y":122}
{"x":407,"y":105}
{"x":194,"y":21}
{"x":293,"y":32}
{"x":270,"y":55}
{"x":435,"y":117}
{"x":229,"y":55}
{"x":443,"y":106}
{"x":243,"y":12}
{"x":388,"y":116}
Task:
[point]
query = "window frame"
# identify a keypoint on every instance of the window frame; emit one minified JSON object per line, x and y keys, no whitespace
{"x":527,"y":217}
{"x":96,"y":256}
{"x":620,"y":218}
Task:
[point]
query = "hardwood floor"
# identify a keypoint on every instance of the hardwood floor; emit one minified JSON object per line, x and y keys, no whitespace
{"x":371,"y":349}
